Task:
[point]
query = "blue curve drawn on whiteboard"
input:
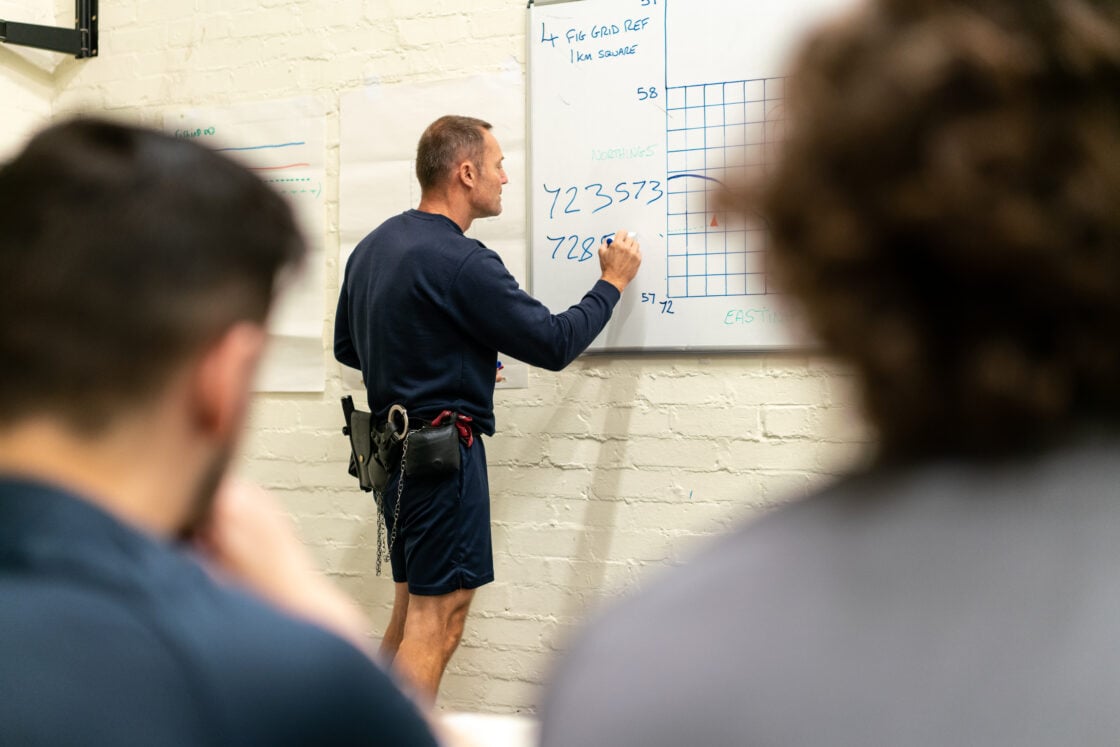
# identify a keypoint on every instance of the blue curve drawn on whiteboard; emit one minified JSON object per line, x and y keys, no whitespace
{"x":695,"y":176}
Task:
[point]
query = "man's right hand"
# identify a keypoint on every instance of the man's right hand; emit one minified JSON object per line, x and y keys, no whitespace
{"x":620,"y":260}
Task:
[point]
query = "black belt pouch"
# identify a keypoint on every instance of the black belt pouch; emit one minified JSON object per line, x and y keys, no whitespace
{"x":433,"y":452}
{"x":361,"y":449}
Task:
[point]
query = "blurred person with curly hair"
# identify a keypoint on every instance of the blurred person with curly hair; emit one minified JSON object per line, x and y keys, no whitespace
{"x":946,"y":208}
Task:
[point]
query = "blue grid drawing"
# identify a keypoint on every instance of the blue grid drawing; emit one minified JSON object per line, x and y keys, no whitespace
{"x":717,"y":130}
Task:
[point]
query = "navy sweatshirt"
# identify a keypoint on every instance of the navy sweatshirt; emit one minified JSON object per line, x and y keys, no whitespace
{"x":424,"y":310}
{"x":110,"y":638}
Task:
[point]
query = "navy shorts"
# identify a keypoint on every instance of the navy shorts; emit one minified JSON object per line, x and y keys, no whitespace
{"x":443,"y":541}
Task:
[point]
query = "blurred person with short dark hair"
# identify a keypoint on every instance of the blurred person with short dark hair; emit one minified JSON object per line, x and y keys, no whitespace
{"x":145,"y":598}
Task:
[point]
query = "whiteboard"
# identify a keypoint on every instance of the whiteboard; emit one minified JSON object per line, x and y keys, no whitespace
{"x":639,"y":110}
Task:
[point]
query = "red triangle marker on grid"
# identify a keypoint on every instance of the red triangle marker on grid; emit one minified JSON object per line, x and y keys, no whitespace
{"x":715,"y":221}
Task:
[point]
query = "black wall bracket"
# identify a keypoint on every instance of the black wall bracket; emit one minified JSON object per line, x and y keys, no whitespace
{"x":80,"y":41}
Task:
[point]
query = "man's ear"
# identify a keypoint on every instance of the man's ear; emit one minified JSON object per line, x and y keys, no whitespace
{"x":223,"y":378}
{"x":467,"y":174}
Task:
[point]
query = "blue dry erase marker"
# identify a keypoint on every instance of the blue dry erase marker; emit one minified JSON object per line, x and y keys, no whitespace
{"x":629,"y":235}
{"x":500,"y":366}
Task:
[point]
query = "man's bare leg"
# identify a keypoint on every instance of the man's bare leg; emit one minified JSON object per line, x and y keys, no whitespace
{"x":432,"y":630}
{"x":394,"y":634}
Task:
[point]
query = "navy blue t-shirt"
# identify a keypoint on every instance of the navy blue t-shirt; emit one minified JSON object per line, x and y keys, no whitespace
{"x":424,"y":310}
{"x":110,"y":637}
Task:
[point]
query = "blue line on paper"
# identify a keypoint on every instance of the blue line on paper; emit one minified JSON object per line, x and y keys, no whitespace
{"x":263,"y":147}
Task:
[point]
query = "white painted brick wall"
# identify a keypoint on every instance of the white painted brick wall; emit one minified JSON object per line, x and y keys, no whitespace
{"x":26,"y":79}
{"x":601,"y":474}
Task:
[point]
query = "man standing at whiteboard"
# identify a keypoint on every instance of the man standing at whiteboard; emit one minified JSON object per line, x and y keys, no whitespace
{"x":422,"y":312}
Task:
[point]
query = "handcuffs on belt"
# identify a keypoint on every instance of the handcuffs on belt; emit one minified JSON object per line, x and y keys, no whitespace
{"x":432,"y":450}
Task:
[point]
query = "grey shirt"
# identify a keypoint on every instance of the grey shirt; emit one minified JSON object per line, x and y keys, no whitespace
{"x":951,"y":604}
